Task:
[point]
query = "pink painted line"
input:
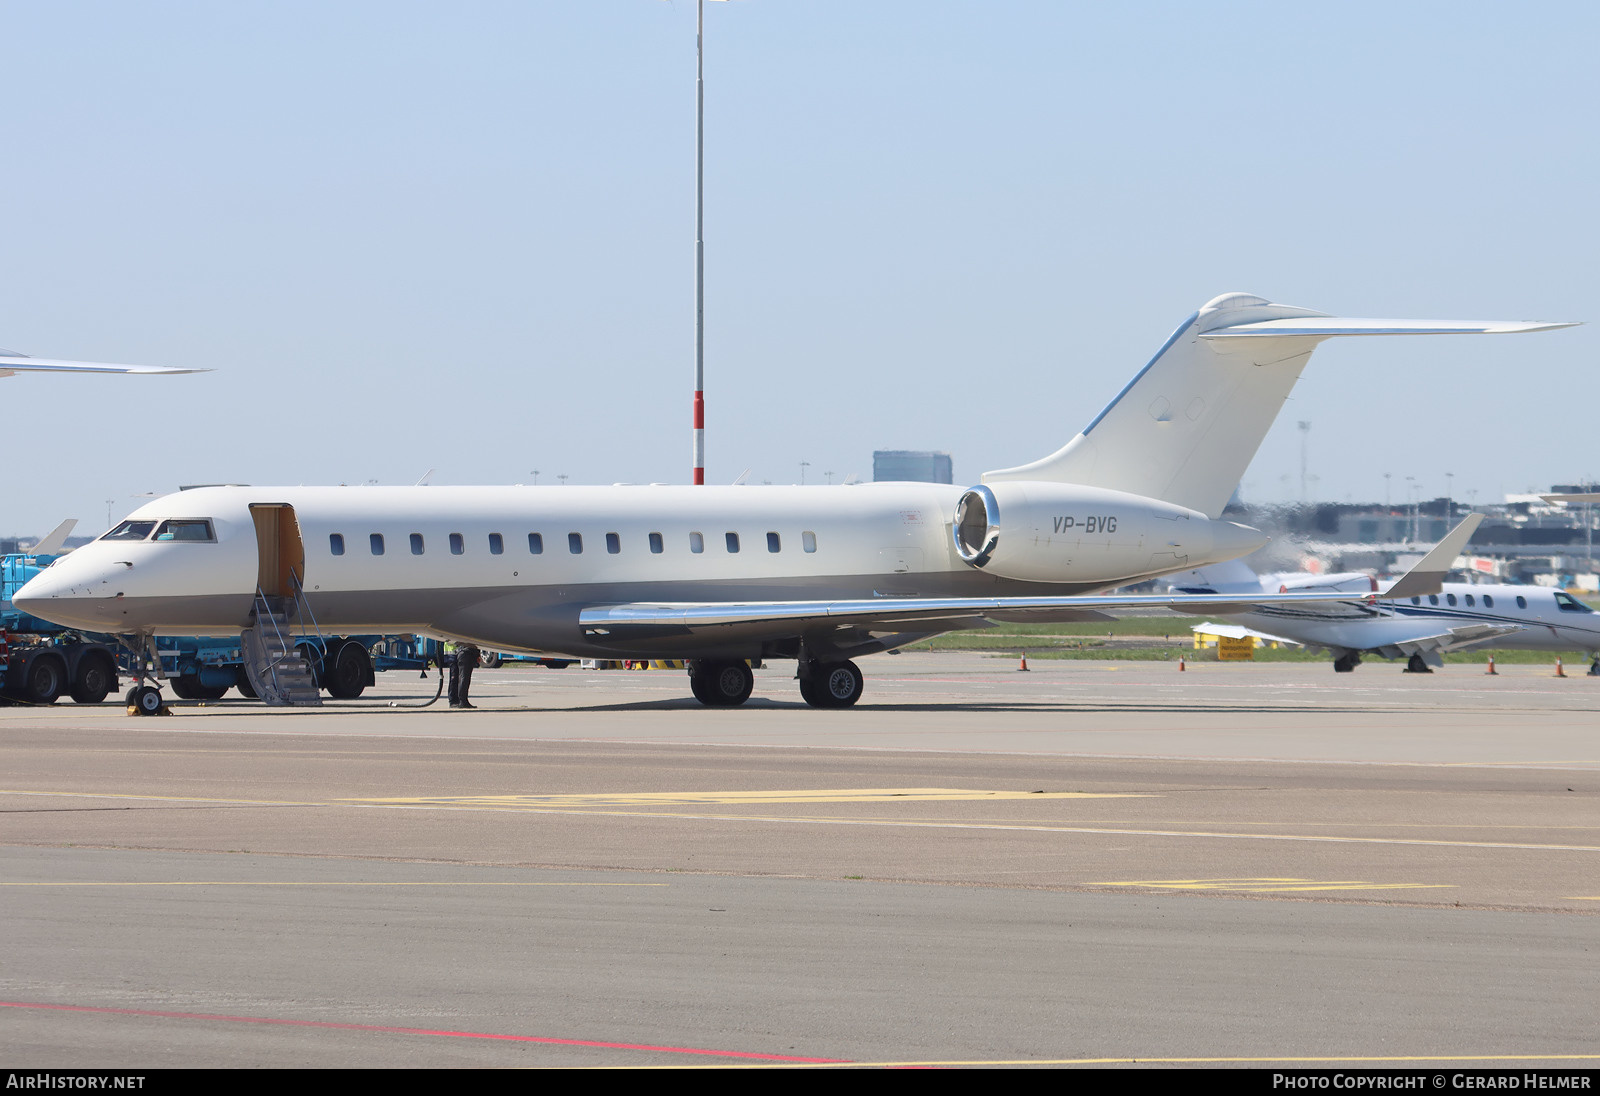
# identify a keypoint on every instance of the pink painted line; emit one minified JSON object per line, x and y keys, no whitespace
{"x":419,"y":1031}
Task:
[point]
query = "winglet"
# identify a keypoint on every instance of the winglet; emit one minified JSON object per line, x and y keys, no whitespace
{"x":1428,"y":575}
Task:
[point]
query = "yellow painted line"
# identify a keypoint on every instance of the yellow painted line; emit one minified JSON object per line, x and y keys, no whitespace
{"x":827,"y":795}
{"x":1269,"y":884}
{"x":1584,"y":898}
{"x":1018,"y":828}
{"x":309,"y":883}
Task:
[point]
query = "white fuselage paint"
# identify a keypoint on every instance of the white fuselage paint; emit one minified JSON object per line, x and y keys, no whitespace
{"x":862,"y":541}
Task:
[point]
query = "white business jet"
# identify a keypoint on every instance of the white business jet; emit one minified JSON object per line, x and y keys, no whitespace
{"x":1419,"y":627}
{"x":722,"y":575}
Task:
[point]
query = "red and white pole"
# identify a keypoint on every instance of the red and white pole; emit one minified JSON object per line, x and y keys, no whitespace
{"x":699,"y":246}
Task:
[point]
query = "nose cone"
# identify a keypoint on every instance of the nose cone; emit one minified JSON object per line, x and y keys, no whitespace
{"x":62,"y":597}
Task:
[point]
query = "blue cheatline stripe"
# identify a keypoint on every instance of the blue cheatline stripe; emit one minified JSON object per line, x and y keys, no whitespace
{"x":1184,"y":326}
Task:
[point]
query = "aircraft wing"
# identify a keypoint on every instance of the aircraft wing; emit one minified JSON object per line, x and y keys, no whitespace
{"x":637,"y":619}
{"x":11,"y":363}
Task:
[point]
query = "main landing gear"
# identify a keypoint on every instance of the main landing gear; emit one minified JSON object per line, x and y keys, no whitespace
{"x":1416,"y":665}
{"x":721,"y":684}
{"x":831,"y":684}
{"x":726,"y":683}
{"x":1346,"y":662}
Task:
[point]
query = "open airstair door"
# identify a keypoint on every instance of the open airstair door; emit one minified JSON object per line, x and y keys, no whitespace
{"x":281,"y":553}
{"x":273,"y":664}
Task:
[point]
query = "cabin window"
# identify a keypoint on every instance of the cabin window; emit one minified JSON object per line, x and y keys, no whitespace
{"x":733,"y":541}
{"x":1416,"y":601}
{"x":1488,"y":601}
{"x":535,"y":544}
{"x":1450,"y":598}
{"x":1522,"y":602}
{"x":1433,"y":599}
{"x":575,"y":543}
{"x":416,"y":544}
{"x":808,"y":541}
{"x":377,"y":543}
{"x":130,"y":530}
{"x":657,"y":545}
{"x":497,"y":545}
{"x":613,"y":543}
{"x":336,"y":543}
{"x":697,"y":543}
{"x":193,"y":529}
{"x":1470,"y":602}
{"x":773,"y":543}
{"x":458,"y":544}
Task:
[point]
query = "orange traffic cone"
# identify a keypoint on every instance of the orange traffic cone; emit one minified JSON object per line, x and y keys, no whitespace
{"x":1024,"y":667}
{"x":1491,"y":670}
{"x":1559,"y":671}
{"x":1181,"y":666}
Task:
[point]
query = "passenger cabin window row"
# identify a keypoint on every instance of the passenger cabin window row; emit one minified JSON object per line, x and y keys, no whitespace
{"x":497,"y":544}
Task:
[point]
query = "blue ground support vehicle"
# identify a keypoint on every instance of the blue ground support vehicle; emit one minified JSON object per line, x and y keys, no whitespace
{"x":41,"y":662}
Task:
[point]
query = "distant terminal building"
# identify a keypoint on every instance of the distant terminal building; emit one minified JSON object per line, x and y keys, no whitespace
{"x":910,"y":464}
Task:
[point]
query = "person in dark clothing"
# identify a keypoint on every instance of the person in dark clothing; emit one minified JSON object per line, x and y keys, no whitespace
{"x":462,"y":663}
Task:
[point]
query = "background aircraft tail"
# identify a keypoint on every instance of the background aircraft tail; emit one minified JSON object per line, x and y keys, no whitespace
{"x":1187,"y":426}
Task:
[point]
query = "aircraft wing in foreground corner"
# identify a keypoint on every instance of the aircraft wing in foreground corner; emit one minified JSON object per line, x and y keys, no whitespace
{"x":12,"y":363}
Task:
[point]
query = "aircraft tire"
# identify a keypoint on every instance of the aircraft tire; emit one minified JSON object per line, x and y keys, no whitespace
{"x":1346,"y":663}
{"x":145,"y":699}
{"x":97,"y":678}
{"x":721,"y":684}
{"x":834,"y":685}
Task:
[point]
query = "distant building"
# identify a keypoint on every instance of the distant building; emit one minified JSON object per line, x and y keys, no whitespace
{"x":910,"y":464}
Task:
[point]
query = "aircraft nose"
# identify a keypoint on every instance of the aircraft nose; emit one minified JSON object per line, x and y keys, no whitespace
{"x":54,"y":594}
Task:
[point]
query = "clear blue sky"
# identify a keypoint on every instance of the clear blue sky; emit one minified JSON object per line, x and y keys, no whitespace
{"x":416,"y":235}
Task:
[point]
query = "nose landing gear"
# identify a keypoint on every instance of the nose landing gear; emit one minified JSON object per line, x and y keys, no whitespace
{"x":145,"y":700}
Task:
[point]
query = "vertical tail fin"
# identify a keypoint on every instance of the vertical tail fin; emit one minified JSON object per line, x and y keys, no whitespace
{"x":1187,"y":426}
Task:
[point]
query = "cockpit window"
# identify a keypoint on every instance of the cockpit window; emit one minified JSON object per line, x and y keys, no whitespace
{"x":130,"y":530}
{"x":1569,"y":604}
{"x":192,"y":529}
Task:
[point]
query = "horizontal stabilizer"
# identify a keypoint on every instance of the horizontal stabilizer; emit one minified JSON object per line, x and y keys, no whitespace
{"x":1334,"y":326}
{"x":1428,"y":575}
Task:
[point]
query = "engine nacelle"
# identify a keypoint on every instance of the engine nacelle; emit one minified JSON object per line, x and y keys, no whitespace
{"x":1062,"y":532}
